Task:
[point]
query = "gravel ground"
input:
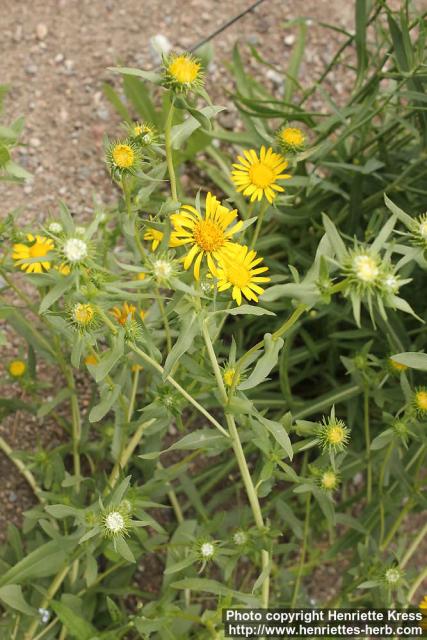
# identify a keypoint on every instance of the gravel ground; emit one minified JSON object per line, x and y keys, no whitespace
{"x":55,"y":55}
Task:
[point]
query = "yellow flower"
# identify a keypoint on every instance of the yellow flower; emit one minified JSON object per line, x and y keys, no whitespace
{"x":39,"y":248}
{"x":136,"y":367}
{"x":423,"y":604}
{"x":125,"y":312}
{"x":257,"y":176}
{"x":141,"y":276}
{"x":333,"y":434}
{"x":145,"y":132}
{"x":420,"y":400}
{"x":83,"y":314}
{"x":183,"y":71}
{"x":91,"y":359}
{"x":63,"y":269}
{"x":241,"y":270}
{"x":123,"y":155}
{"x":17,"y":368}
{"x":397,"y":366}
{"x":229,"y":375}
{"x":291,"y":139}
{"x":329,"y":480}
{"x":154,"y":236}
{"x":210,"y":236}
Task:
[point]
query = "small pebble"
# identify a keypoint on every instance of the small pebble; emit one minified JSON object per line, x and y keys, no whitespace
{"x":41,"y":31}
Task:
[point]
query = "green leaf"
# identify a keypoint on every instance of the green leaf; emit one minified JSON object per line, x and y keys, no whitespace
{"x":110,"y":359}
{"x":412,"y":360}
{"x":360,"y":39}
{"x":47,"y":407}
{"x":4,"y":155}
{"x":61,"y":511}
{"x":217,"y":588}
{"x":399,"y":213}
{"x":40,"y":563}
{"x":76,"y":626}
{"x":123,"y":549}
{"x":248,"y":310}
{"x":181,"y":132}
{"x":12,"y":596}
{"x":17,"y":171}
{"x":113,"y":97}
{"x":182,"y":564}
{"x":382,"y":440}
{"x":294,"y":62}
{"x":108,"y":398}
{"x":265,"y":364}
{"x":189,"y":330}
{"x":151,"y":76}
{"x":56,"y":292}
{"x":279,"y":433}
{"x":334,"y":237}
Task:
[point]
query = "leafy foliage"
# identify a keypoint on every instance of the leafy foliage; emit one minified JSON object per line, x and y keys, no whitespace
{"x":234,"y":448}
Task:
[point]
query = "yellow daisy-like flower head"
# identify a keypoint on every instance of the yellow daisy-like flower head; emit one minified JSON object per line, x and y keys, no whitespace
{"x":396,"y":367}
{"x":241,"y":270}
{"x":257,"y":176}
{"x":123,"y":157}
{"x":183,"y":72}
{"x":91,"y":360}
{"x":144,"y":132}
{"x":83,"y":314}
{"x":229,"y":376}
{"x":124,"y":312}
{"x":209,"y":235}
{"x":154,"y":236}
{"x":26,"y":255}
{"x":333,"y":434}
{"x":63,"y":269}
{"x":17,"y":368}
{"x":329,"y":480}
{"x":420,"y":401}
{"x":291,"y":139}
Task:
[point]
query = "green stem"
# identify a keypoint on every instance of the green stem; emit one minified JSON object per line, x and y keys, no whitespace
{"x":26,"y":473}
{"x":133,"y":395}
{"x":178,"y":387}
{"x":303,"y":550}
{"x":76,"y":426}
{"x":259,"y":222}
{"x":127,"y":195}
{"x":165,"y":320}
{"x":419,"y":580}
{"x":414,"y":546}
{"x":243,"y":465}
{"x":381,"y":488}
{"x":169,"y":152}
{"x":128,"y":451}
{"x":397,"y":523}
{"x":367,"y":444}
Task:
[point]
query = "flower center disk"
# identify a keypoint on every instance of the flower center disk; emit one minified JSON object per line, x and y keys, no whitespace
{"x":238,"y":275}
{"x":123,"y":155}
{"x":184,"y":70}
{"x":261,"y":175}
{"x":208,"y":235}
